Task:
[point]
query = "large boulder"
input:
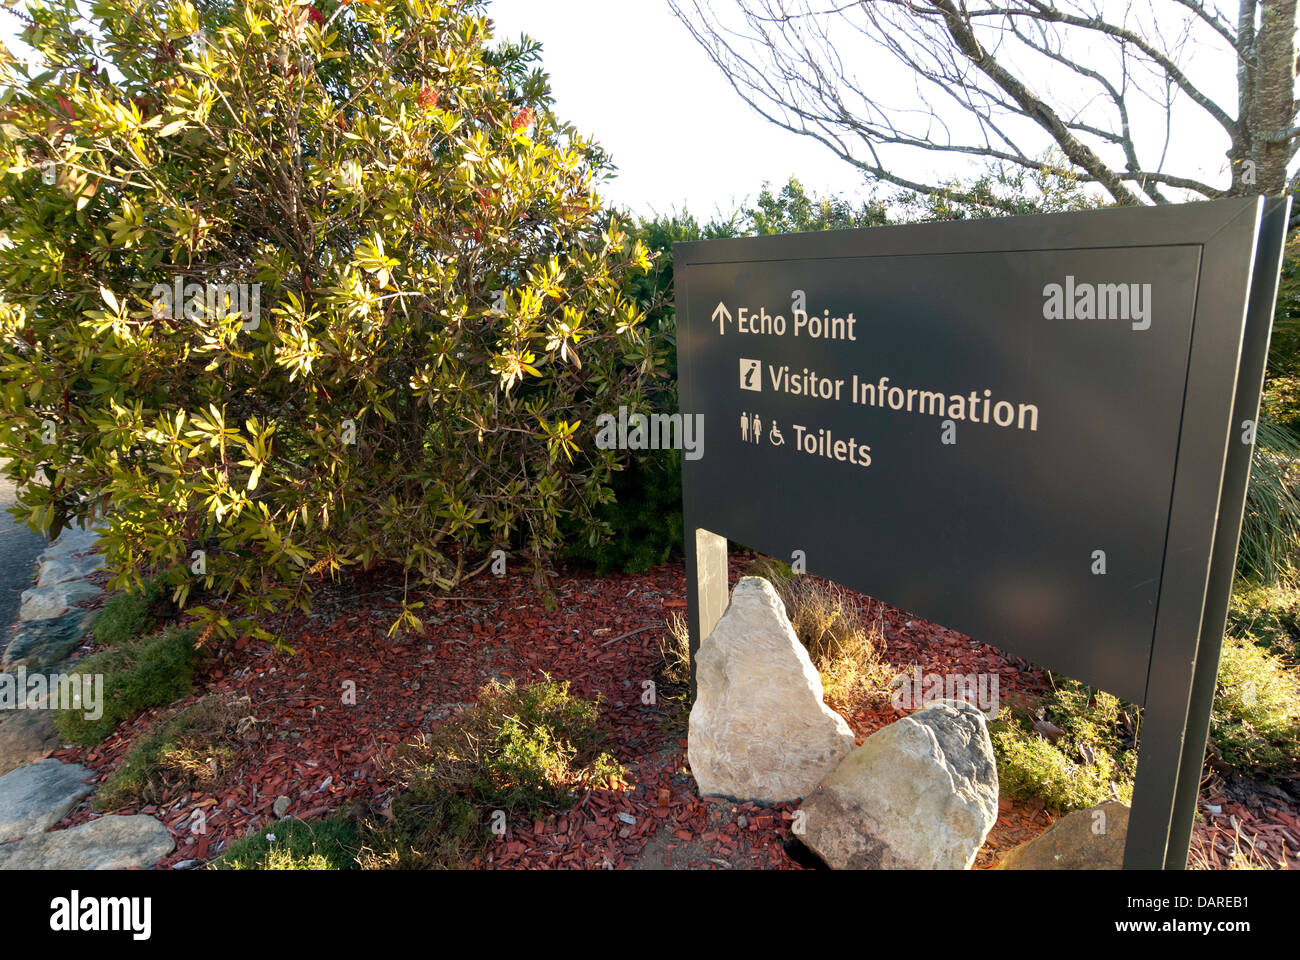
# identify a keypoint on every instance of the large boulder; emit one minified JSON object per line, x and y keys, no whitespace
{"x":922,"y":793}
{"x":759,"y":729}
{"x":109,"y":843}
{"x":35,"y":797}
{"x":45,"y":602}
{"x":1091,"y":839}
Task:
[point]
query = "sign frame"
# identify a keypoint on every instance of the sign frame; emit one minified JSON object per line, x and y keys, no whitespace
{"x":1241,"y":243}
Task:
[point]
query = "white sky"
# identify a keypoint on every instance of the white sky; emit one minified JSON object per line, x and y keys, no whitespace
{"x":628,"y":73}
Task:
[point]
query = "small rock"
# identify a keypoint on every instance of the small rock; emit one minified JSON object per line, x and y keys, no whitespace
{"x":627,"y":818}
{"x":280,"y":807}
{"x":35,"y":797}
{"x":25,"y":736}
{"x":109,"y":843}
{"x":1091,"y":839}
{"x":1048,"y":730}
{"x":184,"y":865}
{"x":758,"y":729}
{"x":921,"y":793}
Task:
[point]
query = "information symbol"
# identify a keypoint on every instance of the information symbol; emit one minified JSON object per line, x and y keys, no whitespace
{"x":751,"y":374}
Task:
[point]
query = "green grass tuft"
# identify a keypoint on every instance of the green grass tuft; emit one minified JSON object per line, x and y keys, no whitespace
{"x":129,"y":615}
{"x":145,"y":672}
{"x":331,"y":844}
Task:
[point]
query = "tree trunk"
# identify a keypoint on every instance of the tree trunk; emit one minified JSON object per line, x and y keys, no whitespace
{"x":1271,"y":104}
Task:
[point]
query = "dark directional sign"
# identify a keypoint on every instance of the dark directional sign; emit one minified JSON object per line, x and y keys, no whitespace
{"x":1019,"y":428}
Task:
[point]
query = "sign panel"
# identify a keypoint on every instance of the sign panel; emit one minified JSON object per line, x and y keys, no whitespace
{"x":1016,"y":427}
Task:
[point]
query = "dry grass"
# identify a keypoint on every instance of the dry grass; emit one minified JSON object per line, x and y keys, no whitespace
{"x":847,"y":651}
{"x":1241,"y":857}
{"x":189,"y":751}
{"x":675,"y":651}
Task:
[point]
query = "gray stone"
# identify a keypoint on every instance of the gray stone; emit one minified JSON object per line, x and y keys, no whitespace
{"x":42,"y":603}
{"x":25,"y":736}
{"x":1091,"y":839}
{"x":71,"y":542}
{"x":40,"y":643}
{"x":57,"y":570}
{"x":759,"y":729}
{"x":922,"y":793}
{"x":109,"y":843}
{"x":35,"y":797}
{"x":280,"y":807}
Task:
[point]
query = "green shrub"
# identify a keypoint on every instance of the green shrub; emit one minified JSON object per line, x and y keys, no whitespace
{"x":130,"y":614}
{"x":190,"y":750}
{"x":331,"y":844}
{"x":442,"y":307}
{"x":523,"y":751}
{"x":1091,"y":761}
{"x":1268,"y":614}
{"x":1256,"y":717}
{"x":145,"y":672}
{"x":1030,"y":766}
{"x":641,"y":526}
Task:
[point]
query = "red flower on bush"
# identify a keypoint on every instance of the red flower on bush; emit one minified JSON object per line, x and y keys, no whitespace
{"x":428,"y":98}
{"x":316,"y":16}
{"x":523,"y":118}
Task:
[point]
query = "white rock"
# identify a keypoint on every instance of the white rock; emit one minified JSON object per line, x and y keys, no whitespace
{"x":922,"y":793}
{"x":759,"y":729}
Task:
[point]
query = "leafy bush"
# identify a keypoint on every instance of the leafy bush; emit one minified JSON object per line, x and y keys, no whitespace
{"x":642,"y":525}
{"x":1255,"y":722}
{"x":524,"y":751}
{"x":331,"y":844}
{"x":188,"y":751}
{"x":144,"y":672}
{"x":1268,"y":614}
{"x":440,"y":306}
{"x":1075,"y":750}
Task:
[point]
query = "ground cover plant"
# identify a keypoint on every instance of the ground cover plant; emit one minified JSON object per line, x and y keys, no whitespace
{"x":189,"y":751}
{"x":517,"y":754}
{"x":147,"y":671}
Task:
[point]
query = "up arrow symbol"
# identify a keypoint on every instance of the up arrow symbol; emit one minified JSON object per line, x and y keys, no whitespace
{"x":723,"y":316}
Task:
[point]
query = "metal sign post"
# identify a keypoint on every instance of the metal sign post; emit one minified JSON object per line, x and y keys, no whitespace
{"x":1028,"y":429}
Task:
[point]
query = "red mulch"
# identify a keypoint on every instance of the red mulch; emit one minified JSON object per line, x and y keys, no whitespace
{"x":322,"y":753}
